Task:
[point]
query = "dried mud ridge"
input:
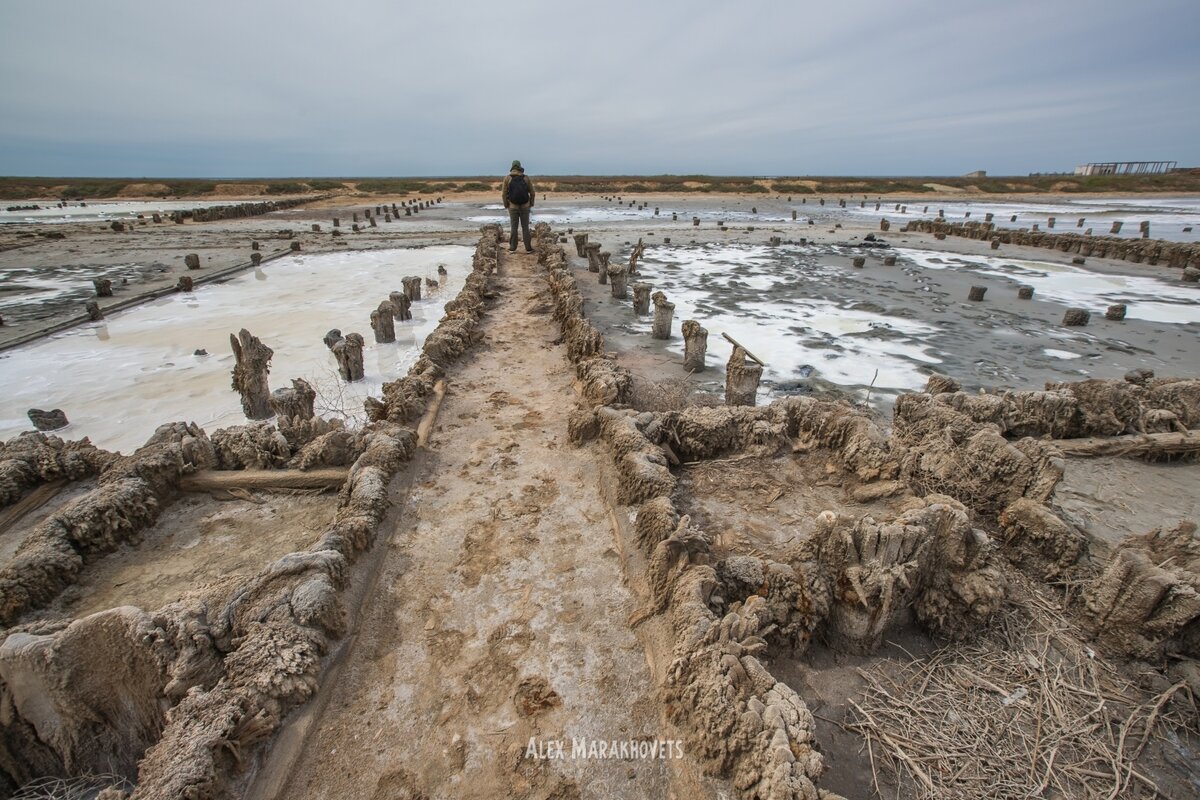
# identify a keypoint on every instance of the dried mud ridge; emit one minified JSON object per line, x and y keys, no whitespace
{"x":178,"y":701}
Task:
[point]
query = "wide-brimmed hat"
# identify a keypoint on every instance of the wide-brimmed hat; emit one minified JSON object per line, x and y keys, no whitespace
{"x":517,"y":165}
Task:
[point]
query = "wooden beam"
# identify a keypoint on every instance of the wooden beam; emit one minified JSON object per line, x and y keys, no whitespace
{"x":425,"y":426}
{"x":1142,"y":445}
{"x":264,"y":479}
{"x":750,"y":355}
{"x":31,"y":502}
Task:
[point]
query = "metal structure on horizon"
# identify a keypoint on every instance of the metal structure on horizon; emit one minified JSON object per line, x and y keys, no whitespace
{"x":1126,"y":168}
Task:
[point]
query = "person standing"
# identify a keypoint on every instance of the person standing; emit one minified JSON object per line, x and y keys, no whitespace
{"x":517,"y":194}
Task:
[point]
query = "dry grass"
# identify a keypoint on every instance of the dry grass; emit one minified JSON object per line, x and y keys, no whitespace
{"x":1027,"y":711}
{"x":671,"y":394}
{"x":82,"y":787}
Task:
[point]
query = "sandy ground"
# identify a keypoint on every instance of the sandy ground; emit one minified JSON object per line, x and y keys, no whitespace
{"x":502,"y":605}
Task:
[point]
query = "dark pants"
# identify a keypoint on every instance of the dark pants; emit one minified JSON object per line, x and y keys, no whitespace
{"x":519,"y":214}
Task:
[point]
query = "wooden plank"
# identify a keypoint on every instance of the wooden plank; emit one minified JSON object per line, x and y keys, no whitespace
{"x":30,"y":502}
{"x":425,"y":426}
{"x":1143,"y":445}
{"x":264,"y":479}
{"x":749,"y":355}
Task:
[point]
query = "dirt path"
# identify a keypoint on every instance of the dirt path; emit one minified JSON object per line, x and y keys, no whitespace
{"x":501,"y":612}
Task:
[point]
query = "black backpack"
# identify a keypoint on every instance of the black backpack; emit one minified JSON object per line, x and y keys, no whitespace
{"x":518,"y":190}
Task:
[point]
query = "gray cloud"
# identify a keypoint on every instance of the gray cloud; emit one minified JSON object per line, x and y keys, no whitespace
{"x":374,"y":87}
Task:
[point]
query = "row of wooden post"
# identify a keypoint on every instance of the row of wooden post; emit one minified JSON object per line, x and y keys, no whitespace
{"x":743,"y":372}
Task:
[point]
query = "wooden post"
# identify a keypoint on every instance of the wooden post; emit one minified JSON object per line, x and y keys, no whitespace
{"x":664,"y":312}
{"x":742,"y":375}
{"x":695,"y":344}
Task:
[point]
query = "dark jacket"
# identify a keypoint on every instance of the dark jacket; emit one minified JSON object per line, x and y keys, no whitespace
{"x":504,"y":189}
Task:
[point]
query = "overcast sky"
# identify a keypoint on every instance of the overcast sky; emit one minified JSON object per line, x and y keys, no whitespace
{"x":375,"y":87}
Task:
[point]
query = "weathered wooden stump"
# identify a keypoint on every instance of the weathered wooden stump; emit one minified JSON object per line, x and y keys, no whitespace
{"x":641,"y":298}
{"x":103,"y":287}
{"x":256,"y":258}
{"x":859,"y":262}
{"x":295,"y":247}
{"x":995,"y":244}
{"x":987,"y":217}
{"x":741,"y":379}
{"x":1013,"y":218}
{"x":252,"y":363}
{"x":383,"y":323}
{"x":408,"y":211}
{"x":695,"y":222}
{"x":185,"y":283}
{"x":1116,"y":312}
{"x":372,"y":222}
{"x":1050,"y":222}
{"x":316,"y":228}
{"x":976,"y":293}
{"x":603,"y":269}
{"x":332,"y":337}
{"x":889,"y":261}
{"x":412,"y":287}
{"x":941,"y":237}
{"x":580,"y":242}
{"x":1025,"y":293}
{"x":1076,"y":317}
{"x":1116,"y":228}
{"x":793,"y":214}
{"x":1078,"y":260}
{"x":1079,"y":222}
{"x":254,"y":245}
{"x":93,"y":311}
{"x":664,"y":312}
{"x":592,"y":251}
{"x":401,"y":306}
{"x":617,"y":279}
{"x":884,"y":225}
{"x":1191,"y":275}
{"x":295,"y":401}
{"x":349,"y":355}
{"x":337,"y":223}
{"x":191,"y":261}
{"x":695,"y":345}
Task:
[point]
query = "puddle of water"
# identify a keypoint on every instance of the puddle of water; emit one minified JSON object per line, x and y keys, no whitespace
{"x":49,"y":213}
{"x":764,"y":298}
{"x":1150,"y":299}
{"x":1168,"y":216}
{"x":117,"y":380}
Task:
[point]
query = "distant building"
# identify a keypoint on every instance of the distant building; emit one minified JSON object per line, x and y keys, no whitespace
{"x":1126,"y":168}
{"x":979,"y":173}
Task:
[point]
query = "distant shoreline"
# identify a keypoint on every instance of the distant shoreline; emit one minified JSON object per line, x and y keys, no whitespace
{"x":185,"y":189}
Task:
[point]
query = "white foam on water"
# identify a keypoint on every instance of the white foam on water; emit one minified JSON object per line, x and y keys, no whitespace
{"x":1150,"y":299}
{"x":796,"y":336}
{"x":1064,"y":354}
{"x":118,"y":379}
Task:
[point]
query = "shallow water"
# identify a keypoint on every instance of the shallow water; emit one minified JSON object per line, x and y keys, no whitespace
{"x":1147,"y":298}
{"x":118,"y":379}
{"x":100,"y":211}
{"x":1168,"y":216}
{"x":811,"y":316}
